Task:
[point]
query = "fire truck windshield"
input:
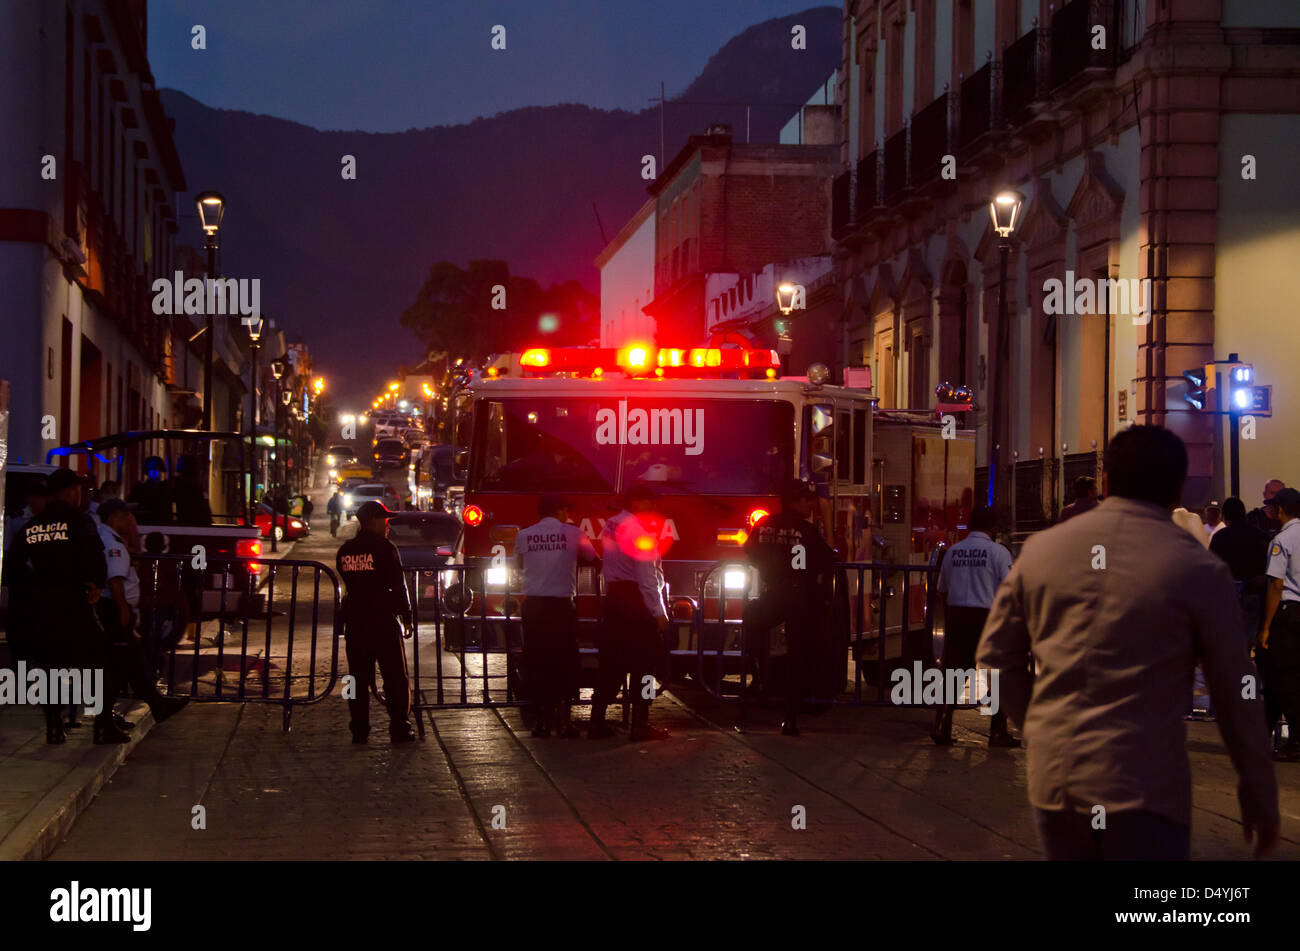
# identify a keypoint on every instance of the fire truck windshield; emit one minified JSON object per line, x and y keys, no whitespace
{"x":603,"y":445}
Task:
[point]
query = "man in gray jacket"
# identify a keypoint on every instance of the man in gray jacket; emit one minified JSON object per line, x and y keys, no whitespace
{"x":1114,"y":609}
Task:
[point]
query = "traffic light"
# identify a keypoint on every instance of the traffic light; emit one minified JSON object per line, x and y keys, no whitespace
{"x":1201,"y":382}
{"x":1241,"y":378}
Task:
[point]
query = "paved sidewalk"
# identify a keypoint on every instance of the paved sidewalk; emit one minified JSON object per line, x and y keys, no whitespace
{"x":44,"y":788}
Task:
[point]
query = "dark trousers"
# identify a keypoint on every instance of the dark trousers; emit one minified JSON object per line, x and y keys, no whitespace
{"x":379,"y":642}
{"x":68,"y":634}
{"x":791,"y":673}
{"x":628,"y":642}
{"x":1135,"y":836}
{"x":1280,"y":666}
{"x":961,"y":638}
{"x":550,"y":653}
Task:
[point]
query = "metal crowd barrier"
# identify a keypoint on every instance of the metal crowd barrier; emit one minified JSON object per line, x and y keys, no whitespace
{"x":881,"y":616}
{"x":285,"y":666}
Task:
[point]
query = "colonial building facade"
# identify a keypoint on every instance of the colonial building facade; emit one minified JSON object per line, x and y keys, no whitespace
{"x":91,"y":196}
{"x":1152,"y":143}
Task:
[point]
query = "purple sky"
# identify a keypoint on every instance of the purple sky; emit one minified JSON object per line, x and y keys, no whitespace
{"x":390,"y":65}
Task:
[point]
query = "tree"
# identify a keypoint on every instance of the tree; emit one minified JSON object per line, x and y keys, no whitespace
{"x":454,"y":313}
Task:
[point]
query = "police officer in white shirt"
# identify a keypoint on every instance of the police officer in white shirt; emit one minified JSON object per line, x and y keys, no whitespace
{"x":119,"y":612}
{"x":635,"y":618}
{"x":549,"y":552}
{"x":1280,"y":636}
{"x":969,"y":578}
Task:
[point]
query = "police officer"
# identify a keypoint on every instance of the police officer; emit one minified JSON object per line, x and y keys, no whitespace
{"x":62,"y":562}
{"x":21,"y":629}
{"x":794,"y":564}
{"x":152,"y":496}
{"x":119,"y":611}
{"x":630,"y":637}
{"x":969,"y":578}
{"x":1280,"y":636}
{"x":376,"y":599}
{"x":548,"y":553}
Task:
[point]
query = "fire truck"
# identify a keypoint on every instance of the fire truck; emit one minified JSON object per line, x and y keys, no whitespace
{"x":718,"y":432}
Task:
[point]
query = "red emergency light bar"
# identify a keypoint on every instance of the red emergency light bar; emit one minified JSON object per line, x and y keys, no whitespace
{"x":645,"y":360}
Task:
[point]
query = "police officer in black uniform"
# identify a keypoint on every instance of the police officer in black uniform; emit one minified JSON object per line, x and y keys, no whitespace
{"x":796,"y":588}
{"x":376,"y":599}
{"x":61,"y":559}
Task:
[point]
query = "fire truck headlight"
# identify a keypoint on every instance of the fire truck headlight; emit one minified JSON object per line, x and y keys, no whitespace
{"x":734,"y":579}
{"x":496,"y":577}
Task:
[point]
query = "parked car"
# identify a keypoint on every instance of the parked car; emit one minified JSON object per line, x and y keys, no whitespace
{"x":391,"y":454}
{"x":297,"y":528}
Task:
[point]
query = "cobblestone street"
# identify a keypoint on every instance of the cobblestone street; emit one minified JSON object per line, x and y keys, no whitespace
{"x":871,"y":784}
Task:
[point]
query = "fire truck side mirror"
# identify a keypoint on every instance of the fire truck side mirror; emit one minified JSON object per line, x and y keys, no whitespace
{"x":822,"y":418}
{"x":822,"y":463}
{"x":460,"y":464}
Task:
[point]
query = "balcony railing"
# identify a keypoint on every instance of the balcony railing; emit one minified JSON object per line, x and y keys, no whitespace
{"x":895,"y":166}
{"x":867,"y":186}
{"x":1023,"y":77}
{"x":1071,"y":45}
{"x":929,"y":142}
{"x":841,"y":192}
{"x":976,"y":115}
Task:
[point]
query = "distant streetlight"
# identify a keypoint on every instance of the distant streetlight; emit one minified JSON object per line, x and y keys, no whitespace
{"x":254,"y":338}
{"x":212,"y":208}
{"x":1004,"y":209}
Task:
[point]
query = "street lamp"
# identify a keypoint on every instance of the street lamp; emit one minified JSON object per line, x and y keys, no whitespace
{"x":254,"y":338}
{"x":212,"y":208}
{"x":279,"y":369}
{"x":1004,"y":209}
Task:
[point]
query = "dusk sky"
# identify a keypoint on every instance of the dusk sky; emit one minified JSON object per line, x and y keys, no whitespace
{"x":392,"y":65}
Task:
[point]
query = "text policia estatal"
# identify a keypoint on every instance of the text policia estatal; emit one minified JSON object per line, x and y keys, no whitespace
{"x":58,"y":687}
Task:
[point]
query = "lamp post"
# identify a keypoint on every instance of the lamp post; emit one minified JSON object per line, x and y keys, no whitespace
{"x":279,"y":367}
{"x":254,"y":338}
{"x":1004,"y":210}
{"x":212,"y":208}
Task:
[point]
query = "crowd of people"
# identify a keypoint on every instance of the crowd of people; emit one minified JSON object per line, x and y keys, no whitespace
{"x":76,"y":600}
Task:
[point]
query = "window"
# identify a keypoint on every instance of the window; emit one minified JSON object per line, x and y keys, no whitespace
{"x":860,"y":441}
{"x":682,"y":446}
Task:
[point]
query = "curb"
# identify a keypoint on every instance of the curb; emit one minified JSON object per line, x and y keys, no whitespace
{"x":42,"y":829}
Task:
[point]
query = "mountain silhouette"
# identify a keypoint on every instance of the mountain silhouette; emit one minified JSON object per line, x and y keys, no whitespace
{"x":340,"y":259}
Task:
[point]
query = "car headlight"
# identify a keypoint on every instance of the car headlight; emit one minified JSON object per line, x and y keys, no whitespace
{"x":295,"y":523}
{"x":347,"y":500}
{"x":334,"y":473}
{"x":329,"y":460}
{"x":496,"y":577}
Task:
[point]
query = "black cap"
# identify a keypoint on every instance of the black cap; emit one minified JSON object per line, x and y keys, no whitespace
{"x":550,"y":503}
{"x":797,"y":489}
{"x":372,"y":510}
{"x":110,"y":507}
{"x":61,"y":479}
{"x":1289,"y":498}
